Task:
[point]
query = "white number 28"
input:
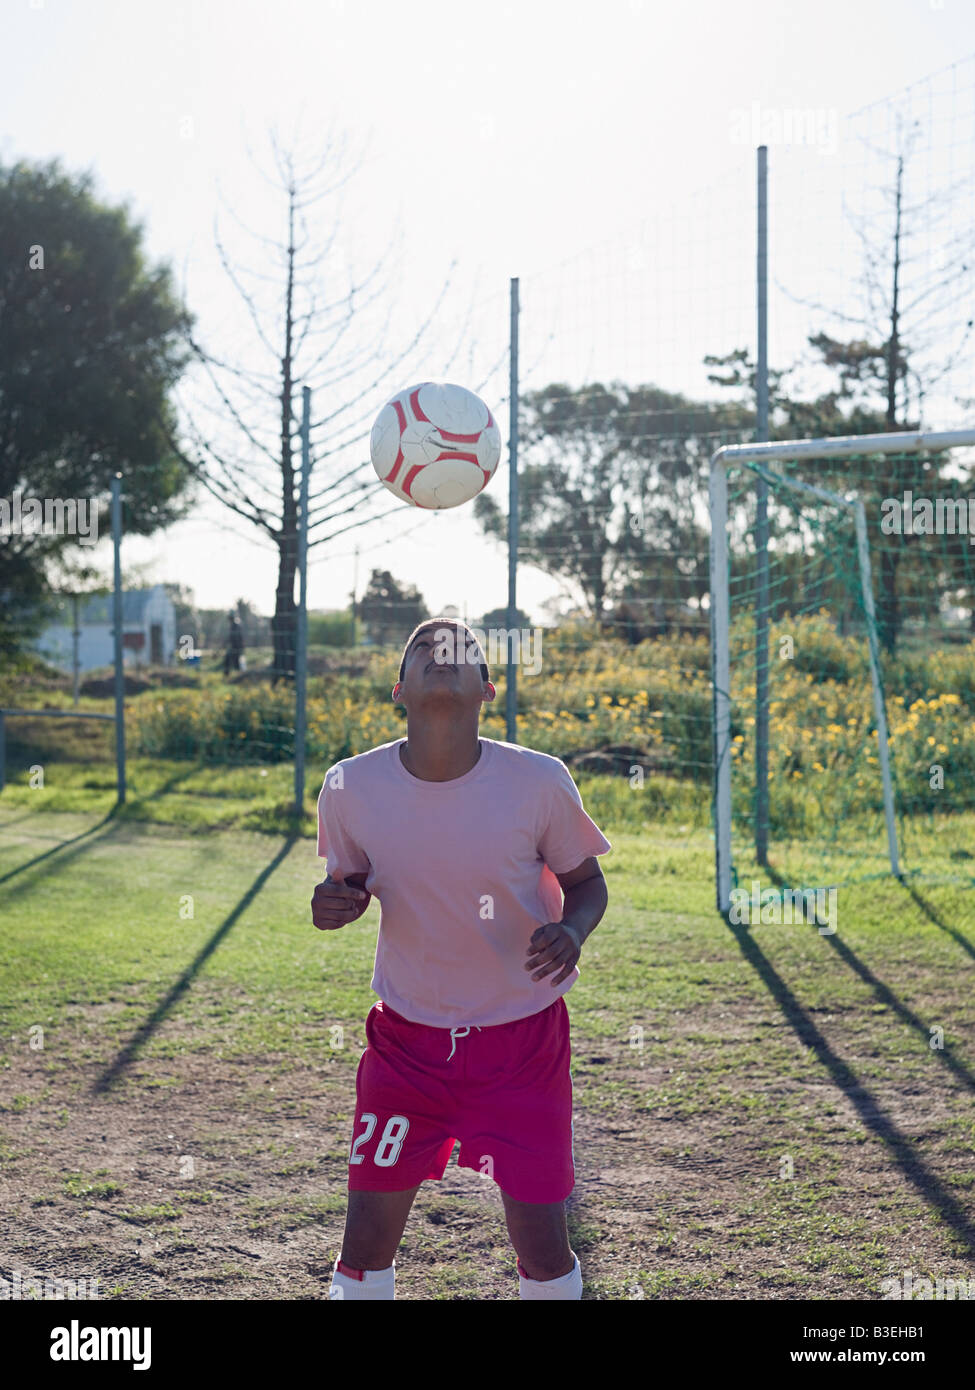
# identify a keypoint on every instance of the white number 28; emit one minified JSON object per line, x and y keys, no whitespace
{"x":390,"y":1141}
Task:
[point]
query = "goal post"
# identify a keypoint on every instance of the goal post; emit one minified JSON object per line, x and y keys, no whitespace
{"x":879,"y":706}
{"x":758,"y":457}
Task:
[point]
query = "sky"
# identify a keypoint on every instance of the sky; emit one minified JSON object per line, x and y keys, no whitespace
{"x":603,"y":153}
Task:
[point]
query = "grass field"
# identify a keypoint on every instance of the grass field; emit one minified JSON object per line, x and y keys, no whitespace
{"x":182,"y":1130}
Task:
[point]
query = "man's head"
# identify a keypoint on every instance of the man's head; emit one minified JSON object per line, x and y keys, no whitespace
{"x":442,"y":657}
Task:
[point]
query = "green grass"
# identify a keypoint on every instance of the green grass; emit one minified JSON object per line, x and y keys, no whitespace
{"x":134,"y":950}
{"x":199,"y":797}
{"x":151,"y":1214}
{"x":191,"y":795}
{"x":77,"y":1185}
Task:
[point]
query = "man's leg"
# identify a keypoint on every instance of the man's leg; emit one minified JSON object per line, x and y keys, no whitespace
{"x":374,"y":1226}
{"x":540,"y":1237}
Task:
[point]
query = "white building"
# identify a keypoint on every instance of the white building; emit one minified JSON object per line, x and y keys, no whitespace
{"x":148,"y":631}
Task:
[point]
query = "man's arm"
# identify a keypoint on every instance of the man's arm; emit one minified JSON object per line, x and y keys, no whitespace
{"x":338,"y":903}
{"x":558,"y":945}
{"x":586,"y":897}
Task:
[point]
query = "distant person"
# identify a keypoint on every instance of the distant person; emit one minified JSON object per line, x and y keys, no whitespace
{"x":234,"y":655}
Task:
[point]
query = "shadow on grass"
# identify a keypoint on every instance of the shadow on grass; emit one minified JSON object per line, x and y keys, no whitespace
{"x":886,"y":995}
{"x":132,"y":1048}
{"x":901,"y":1150}
{"x":932,"y":916}
{"x":133,"y":807}
{"x":16,"y":820}
{"x":63,"y":850}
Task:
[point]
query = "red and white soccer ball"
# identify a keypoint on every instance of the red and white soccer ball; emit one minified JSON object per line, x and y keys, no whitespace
{"x":435,"y":445}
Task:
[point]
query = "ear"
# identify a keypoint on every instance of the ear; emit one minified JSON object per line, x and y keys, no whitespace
{"x":396,"y":690}
{"x":491,"y":689}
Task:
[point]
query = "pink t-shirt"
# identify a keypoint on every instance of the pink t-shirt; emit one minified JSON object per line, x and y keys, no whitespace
{"x":464,"y":872}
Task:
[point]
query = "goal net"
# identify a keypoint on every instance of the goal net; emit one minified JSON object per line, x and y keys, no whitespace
{"x":843,"y":663}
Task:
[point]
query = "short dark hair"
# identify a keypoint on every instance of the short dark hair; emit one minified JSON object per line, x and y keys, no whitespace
{"x":441,"y":622}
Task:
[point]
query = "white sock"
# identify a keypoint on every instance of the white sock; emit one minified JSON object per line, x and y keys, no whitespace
{"x":568,"y":1286}
{"x":375,"y":1284}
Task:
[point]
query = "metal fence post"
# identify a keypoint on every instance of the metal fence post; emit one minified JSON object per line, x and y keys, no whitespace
{"x":117,"y":619}
{"x":301,"y":628}
{"x":511,"y":669}
{"x":761,"y":529}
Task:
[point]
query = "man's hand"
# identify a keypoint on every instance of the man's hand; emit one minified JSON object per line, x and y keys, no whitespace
{"x":335,"y":905}
{"x":556,"y":946}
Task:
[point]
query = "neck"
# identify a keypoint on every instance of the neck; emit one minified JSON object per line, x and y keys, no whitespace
{"x":440,"y":750}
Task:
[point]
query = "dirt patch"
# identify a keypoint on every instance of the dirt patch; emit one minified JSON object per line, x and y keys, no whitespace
{"x":103,"y":687}
{"x":196,"y":1177}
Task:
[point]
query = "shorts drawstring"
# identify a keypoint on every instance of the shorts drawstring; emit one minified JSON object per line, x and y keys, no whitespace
{"x":456,"y":1033}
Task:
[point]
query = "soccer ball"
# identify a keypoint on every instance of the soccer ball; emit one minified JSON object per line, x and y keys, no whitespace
{"x":435,"y":445}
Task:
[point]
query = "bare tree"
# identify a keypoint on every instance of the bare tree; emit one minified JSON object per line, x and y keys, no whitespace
{"x":917,"y":311}
{"x":313,"y":332}
{"x":915,"y":327}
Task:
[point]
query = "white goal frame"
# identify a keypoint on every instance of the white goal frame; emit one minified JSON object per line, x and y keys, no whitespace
{"x":720,"y":601}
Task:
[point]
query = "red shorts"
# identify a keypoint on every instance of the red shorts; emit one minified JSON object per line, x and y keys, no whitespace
{"x":504,"y":1091}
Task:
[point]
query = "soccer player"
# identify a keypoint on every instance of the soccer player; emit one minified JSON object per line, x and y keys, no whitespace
{"x":469,"y":843}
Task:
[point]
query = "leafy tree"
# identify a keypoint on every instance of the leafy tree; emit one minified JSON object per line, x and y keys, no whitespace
{"x":390,"y":610}
{"x":91,"y":343}
{"x":498,"y":618}
{"x":333,"y":628}
{"x":854,"y":406}
{"x":610,"y":492}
